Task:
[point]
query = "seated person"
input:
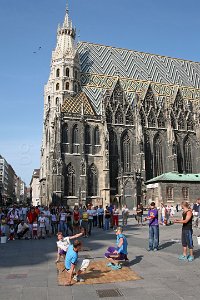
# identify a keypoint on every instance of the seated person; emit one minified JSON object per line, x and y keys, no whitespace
{"x":73,"y":265}
{"x":22,"y":229}
{"x":114,"y":255}
{"x":63,"y":244}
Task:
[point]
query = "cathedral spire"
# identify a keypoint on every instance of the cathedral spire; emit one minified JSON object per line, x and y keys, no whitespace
{"x":67,"y":23}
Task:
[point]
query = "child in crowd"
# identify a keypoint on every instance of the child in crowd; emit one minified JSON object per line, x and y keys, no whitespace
{"x":41,"y":222}
{"x":35,"y":230}
{"x":11,"y":233}
{"x":3,"y":225}
{"x":63,"y":244}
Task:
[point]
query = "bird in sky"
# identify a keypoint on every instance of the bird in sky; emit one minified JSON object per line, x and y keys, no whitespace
{"x":39,"y":48}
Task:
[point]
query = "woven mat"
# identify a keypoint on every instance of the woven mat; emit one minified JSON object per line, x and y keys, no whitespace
{"x":98,"y":272}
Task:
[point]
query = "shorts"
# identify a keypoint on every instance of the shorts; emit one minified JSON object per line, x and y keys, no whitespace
{"x":120,"y":256}
{"x":62,"y":252}
{"x":187,"y":238}
{"x":76,"y":223}
{"x":84,"y":224}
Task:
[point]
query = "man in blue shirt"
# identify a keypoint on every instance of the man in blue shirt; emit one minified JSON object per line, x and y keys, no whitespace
{"x":73,"y":265}
{"x":114,"y":255}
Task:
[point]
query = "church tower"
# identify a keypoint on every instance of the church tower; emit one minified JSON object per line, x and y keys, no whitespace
{"x":64,"y":80}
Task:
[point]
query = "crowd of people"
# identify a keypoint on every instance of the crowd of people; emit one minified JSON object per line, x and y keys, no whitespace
{"x":22,"y":222}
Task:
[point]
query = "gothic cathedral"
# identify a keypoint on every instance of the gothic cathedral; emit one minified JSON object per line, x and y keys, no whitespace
{"x":113,"y":119}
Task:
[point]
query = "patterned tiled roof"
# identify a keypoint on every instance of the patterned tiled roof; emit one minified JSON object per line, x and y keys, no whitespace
{"x":77,"y":105}
{"x":102,"y":66}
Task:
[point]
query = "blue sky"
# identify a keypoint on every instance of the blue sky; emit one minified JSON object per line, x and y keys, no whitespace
{"x":157,"y":26}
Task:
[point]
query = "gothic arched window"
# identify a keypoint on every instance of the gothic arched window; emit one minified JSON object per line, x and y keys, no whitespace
{"x":67,"y":86}
{"x":87,"y":139}
{"x":67,"y":72}
{"x":181,"y":122}
{"x":161,"y":120}
{"x":151,"y":119}
{"x":96,"y":136}
{"x":187,"y":156}
{"x":158,"y":156}
{"x":119,"y":116}
{"x":75,"y":139}
{"x":65,"y":138}
{"x":129,"y":117}
{"x":92,"y":181}
{"x":176,"y":151}
{"x":57,"y":86}
{"x":58,"y":73}
{"x":126,"y":153}
{"x":108,"y":115}
{"x":70,"y":181}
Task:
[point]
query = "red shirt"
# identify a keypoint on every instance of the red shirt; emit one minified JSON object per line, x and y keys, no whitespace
{"x":31,"y":217}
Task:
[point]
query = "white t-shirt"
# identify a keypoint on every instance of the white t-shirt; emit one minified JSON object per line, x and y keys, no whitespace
{"x":63,"y":244}
{"x":90,"y":214}
{"x":47,"y":215}
{"x":163,"y":211}
{"x":41,"y":221}
{"x":62,"y":216}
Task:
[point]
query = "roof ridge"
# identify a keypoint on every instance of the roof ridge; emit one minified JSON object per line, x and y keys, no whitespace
{"x":132,"y":50}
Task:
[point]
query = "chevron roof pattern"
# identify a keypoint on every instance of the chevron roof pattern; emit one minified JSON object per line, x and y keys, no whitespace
{"x":99,"y":59}
{"x":78,"y":104}
{"x":102,"y":66}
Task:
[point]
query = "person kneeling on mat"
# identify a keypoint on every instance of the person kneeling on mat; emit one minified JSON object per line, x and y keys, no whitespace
{"x":115,"y":255}
{"x":73,"y":265}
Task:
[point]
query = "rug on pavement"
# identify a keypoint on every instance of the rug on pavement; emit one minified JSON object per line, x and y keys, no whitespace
{"x":98,"y":272}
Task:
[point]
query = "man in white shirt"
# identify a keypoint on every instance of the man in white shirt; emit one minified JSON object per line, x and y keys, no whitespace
{"x":47,"y":216}
{"x":100,"y":213}
{"x":22,"y":229}
{"x":90,"y":218}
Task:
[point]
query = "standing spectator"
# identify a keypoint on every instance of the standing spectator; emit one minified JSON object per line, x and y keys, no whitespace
{"x":115,"y":213}
{"x":31,"y":217}
{"x":69,"y":221}
{"x":100,"y":213}
{"x":94,"y":208}
{"x":196,"y":208}
{"x":41,"y":222}
{"x":153,"y":228}
{"x":125,"y":214}
{"x":35,"y":230}
{"x":54,"y":222}
{"x":62,"y":226}
{"x":139,"y":213}
{"x":3,"y":222}
{"x":47,"y":216}
{"x":107,"y":218}
{"x":111,"y":215}
{"x":90,"y":218}
{"x":84,"y":223}
{"x":76,"y":220}
{"x":22,"y":230}
{"x":163,"y":214}
{"x":24,"y":212}
{"x":187,"y":241}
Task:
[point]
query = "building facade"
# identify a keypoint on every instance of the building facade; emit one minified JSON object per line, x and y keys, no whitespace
{"x":35,"y":188}
{"x":113,"y":119}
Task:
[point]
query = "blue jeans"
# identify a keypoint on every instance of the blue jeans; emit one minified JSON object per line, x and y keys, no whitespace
{"x":107,"y":224}
{"x":153,"y":237}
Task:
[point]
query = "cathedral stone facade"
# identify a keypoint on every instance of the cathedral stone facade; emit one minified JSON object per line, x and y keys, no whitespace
{"x":114,"y":119}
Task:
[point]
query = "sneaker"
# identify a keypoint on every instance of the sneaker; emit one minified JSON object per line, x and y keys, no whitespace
{"x":149,"y":249}
{"x":80,"y":279}
{"x":75,"y":277}
{"x":109,"y":265}
{"x":155,"y":249}
{"x":182,"y":257}
{"x":116,"y":267}
{"x":190,"y":258}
